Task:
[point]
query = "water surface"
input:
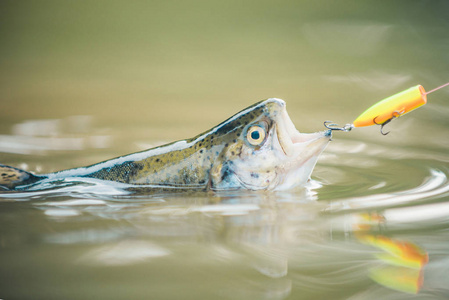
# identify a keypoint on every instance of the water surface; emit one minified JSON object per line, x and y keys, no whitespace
{"x":83,"y":82}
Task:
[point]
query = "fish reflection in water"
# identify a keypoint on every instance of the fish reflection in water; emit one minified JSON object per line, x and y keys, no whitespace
{"x":284,"y":237}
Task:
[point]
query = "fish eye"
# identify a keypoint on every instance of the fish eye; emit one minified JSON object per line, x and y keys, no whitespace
{"x":255,"y":135}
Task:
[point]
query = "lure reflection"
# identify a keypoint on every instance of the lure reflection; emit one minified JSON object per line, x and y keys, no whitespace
{"x":402,"y":261}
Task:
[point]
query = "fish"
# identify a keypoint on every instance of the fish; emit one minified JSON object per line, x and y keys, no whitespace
{"x":258,"y":148}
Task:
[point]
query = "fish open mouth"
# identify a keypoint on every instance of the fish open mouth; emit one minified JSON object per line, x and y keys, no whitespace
{"x":293,"y":142}
{"x":301,"y":151}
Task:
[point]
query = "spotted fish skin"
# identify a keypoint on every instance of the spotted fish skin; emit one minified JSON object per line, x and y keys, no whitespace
{"x":11,"y":177}
{"x":221,"y":158}
{"x":185,"y":163}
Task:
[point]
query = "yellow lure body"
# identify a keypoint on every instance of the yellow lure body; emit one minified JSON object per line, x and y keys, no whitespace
{"x":393,"y":106}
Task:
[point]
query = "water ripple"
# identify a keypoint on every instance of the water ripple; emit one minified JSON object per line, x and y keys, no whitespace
{"x":434,"y":186}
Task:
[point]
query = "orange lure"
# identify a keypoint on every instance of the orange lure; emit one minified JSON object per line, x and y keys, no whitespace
{"x":392,"y":107}
{"x":389,"y":108}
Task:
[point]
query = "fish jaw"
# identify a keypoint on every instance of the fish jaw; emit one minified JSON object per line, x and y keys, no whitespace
{"x":301,"y":152}
{"x":284,"y":161}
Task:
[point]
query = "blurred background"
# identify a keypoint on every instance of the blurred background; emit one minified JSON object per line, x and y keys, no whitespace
{"x":85,"y":81}
{"x":112,"y":77}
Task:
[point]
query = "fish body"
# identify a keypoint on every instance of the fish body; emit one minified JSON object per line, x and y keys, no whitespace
{"x":259,"y":148}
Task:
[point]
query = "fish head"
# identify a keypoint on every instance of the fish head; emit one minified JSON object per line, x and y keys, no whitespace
{"x":262,"y":150}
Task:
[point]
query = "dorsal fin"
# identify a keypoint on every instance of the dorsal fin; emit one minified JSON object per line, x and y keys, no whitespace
{"x":11,"y":177}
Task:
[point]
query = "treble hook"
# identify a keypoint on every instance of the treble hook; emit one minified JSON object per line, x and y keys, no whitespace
{"x":395,"y":115}
{"x":382,"y":125}
{"x":333,"y":126}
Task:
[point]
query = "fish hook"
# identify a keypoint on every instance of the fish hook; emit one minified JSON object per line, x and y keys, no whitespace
{"x":396,"y":114}
{"x":333,"y":126}
{"x":382,"y":125}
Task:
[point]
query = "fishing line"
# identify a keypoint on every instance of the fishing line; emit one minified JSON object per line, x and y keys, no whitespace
{"x":437,"y":88}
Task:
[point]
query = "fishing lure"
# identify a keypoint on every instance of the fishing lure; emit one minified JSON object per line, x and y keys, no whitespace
{"x":386,"y":110}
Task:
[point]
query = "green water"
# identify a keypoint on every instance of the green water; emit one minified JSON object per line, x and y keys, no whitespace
{"x":82,"y":82}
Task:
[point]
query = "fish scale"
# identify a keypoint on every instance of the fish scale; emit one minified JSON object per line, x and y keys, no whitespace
{"x":224,"y":157}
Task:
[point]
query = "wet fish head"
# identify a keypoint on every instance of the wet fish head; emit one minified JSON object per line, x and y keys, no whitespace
{"x":262,"y":150}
